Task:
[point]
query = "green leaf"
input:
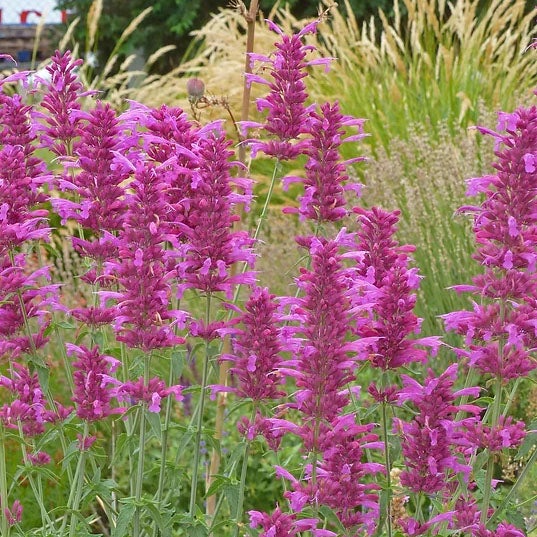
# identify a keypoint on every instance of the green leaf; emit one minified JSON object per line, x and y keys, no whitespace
{"x":516,"y":518}
{"x":219,"y":482}
{"x":331,"y":517}
{"x":123,"y":520}
{"x":153,"y":419}
{"x":162,"y":518}
{"x":231,"y":490}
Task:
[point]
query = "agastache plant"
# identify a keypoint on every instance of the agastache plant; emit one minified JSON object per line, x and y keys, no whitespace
{"x":500,"y":331}
{"x":151,"y":203}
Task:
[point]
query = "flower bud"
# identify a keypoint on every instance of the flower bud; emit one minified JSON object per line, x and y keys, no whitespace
{"x":195,"y":89}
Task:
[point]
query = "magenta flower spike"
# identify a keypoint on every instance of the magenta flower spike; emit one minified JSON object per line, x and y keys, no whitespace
{"x":100,"y":204}
{"x":430,"y":442}
{"x":60,"y":125}
{"x":385,"y":265}
{"x":144,"y":318}
{"x":326,"y":179}
{"x":94,"y":388}
{"x":29,"y":408}
{"x":287,"y":115}
{"x":212,"y":245}
{"x":256,"y":349}
{"x":500,"y":331}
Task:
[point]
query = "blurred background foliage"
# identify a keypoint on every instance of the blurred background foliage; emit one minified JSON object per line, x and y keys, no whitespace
{"x":171,"y":21}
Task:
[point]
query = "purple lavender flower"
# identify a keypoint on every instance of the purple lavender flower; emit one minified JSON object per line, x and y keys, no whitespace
{"x":288,"y":117}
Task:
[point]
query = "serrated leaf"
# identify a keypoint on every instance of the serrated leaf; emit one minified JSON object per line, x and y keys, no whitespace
{"x":123,"y":520}
{"x":153,"y":419}
{"x":231,"y":491}
{"x":219,"y":482}
{"x":516,"y":518}
{"x":527,"y":444}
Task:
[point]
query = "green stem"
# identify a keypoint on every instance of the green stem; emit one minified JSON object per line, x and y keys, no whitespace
{"x":138,"y":485}
{"x":266,"y":205}
{"x":387,"y":462}
{"x":3,"y":484}
{"x":79,"y":480}
{"x":76,"y":490}
{"x":490,"y":463}
{"x":244,"y":470}
{"x":242,"y":486}
{"x":164,"y":447}
{"x":514,"y":488}
{"x":199,"y":424}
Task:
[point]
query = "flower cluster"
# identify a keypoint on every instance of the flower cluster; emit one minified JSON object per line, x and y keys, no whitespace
{"x":213,"y":247}
{"x":287,"y":116}
{"x":432,"y":438}
{"x":501,"y":330}
{"x":256,"y":349}
{"x":385,"y":265}
{"x":325,"y":181}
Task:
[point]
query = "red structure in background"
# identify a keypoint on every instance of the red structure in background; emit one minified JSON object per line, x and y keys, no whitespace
{"x":18,"y":23}
{"x":24,"y":15}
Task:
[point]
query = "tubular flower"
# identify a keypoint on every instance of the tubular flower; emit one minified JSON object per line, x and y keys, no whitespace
{"x":29,"y":406}
{"x":143,"y":302}
{"x":322,"y":365}
{"x":324,"y":184}
{"x":431,"y":439}
{"x":287,"y":117}
{"x":212,"y":247}
{"x":92,"y":396}
{"x":101,"y":203}
{"x":256,"y":349}
{"x":500,"y":331}
{"x":280,"y":524}
{"x":62,"y":102}
{"x":151,"y":392}
{"x":385,"y":264}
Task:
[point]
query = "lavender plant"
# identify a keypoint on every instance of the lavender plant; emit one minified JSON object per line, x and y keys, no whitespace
{"x":152,"y":202}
